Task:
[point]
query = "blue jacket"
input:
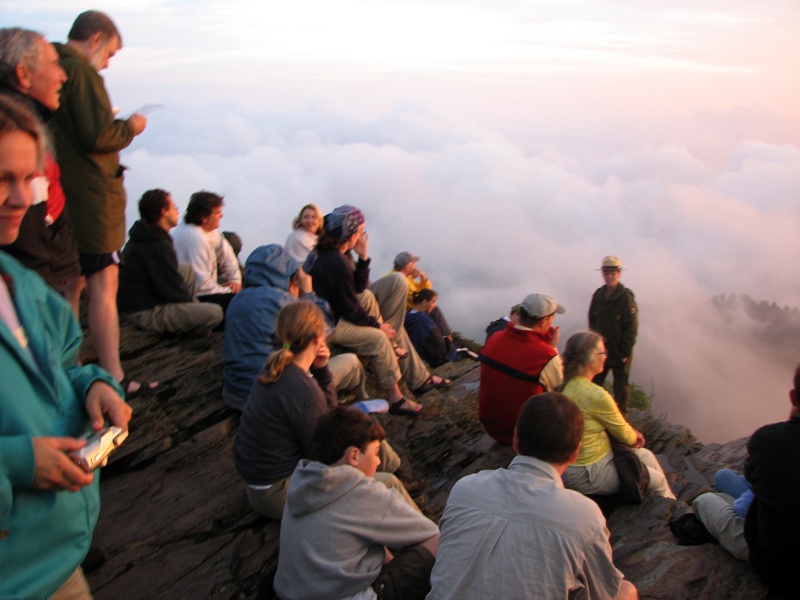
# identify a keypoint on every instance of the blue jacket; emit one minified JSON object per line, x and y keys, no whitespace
{"x":250,"y":319}
{"x":428,"y":340}
{"x":44,"y":535}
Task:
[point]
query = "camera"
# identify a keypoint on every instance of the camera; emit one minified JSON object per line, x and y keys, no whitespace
{"x":99,"y":444}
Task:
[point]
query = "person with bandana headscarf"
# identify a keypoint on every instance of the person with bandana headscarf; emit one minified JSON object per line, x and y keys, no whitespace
{"x":368,"y":321}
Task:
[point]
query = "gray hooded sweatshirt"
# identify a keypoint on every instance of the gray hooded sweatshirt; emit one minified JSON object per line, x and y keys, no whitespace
{"x":334,"y":528}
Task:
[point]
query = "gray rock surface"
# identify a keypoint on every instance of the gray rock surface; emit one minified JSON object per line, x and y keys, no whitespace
{"x":175,"y":522}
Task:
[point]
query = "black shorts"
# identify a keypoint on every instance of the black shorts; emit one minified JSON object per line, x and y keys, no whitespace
{"x":94,"y":263}
{"x":407,"y":576}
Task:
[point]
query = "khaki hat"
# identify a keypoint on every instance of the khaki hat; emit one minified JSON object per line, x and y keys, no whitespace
{"x":540,"y":305}
{"x":611,"y":263}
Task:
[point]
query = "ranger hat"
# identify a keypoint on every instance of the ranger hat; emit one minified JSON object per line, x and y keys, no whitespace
{"x":611,"y":263}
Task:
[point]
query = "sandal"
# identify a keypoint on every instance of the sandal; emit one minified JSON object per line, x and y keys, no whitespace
{"x":139,"y":387}
{"x":432,"y":384}
{"x":405,"y":407}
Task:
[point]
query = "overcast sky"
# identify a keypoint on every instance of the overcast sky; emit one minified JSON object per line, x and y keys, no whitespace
{"x":511,"y":144}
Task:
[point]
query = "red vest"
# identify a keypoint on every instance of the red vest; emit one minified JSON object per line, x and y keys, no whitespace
{"x":501,"y":396}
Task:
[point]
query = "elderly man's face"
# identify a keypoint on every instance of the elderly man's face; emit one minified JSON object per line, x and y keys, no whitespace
{"x":44,"y":80}
{"x":17,"y":170}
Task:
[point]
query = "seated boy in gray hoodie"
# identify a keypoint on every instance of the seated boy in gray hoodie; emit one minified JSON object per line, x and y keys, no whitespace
{"x":339,"y":523}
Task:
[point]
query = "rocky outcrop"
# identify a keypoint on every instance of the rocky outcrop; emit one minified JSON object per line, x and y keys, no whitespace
{"x":175,"y":522}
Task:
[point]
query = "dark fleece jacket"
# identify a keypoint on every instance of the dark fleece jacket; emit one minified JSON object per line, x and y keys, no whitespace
{"x":149,"y":275}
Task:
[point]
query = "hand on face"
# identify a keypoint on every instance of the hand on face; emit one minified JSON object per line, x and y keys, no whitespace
{"x":323,"y":354}
{"x":553,"y":335}
{"x":362,"y":245}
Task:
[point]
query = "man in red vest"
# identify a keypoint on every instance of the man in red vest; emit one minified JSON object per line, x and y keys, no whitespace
{"x":517,"y":363}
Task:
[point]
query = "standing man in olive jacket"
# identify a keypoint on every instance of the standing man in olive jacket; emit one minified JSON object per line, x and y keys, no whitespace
{"x":614,"y":315}
{"x":88,"y":140}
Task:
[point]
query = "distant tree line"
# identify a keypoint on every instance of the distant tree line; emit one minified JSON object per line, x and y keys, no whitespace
{"x":764,"y":323}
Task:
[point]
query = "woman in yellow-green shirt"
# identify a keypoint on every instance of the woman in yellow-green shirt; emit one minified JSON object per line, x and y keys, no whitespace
{"x":594,"y":472}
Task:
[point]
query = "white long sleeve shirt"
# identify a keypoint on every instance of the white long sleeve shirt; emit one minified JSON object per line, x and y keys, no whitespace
{"x":211,"y":257}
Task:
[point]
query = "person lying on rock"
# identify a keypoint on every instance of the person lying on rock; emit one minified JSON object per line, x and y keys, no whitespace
{"x":768,"y":535}
{"x":516,"y":533}
{"x":344,"y":534}
{"x":293,"y":390}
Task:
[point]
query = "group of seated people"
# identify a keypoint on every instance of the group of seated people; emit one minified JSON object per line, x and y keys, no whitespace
{"x":520,"y":359}
{"x":299,"y":453}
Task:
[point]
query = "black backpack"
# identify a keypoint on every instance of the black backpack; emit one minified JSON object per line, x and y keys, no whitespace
{"x":633,"y":475}
{"x":689,"y":530}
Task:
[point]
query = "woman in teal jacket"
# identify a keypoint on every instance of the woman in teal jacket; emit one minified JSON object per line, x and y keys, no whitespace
{"x":48,"y":505}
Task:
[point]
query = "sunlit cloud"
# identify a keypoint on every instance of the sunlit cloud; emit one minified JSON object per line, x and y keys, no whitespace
{"x":511,"y":144}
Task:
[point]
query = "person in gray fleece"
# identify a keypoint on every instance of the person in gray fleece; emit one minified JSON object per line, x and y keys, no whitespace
{"x":345,"y":535}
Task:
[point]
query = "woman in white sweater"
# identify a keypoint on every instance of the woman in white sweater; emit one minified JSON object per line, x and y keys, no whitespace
{"x":306,"y":228}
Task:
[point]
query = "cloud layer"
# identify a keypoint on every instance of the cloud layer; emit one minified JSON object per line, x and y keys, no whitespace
{"x":494,"y":222}
{"x":511,"y":144}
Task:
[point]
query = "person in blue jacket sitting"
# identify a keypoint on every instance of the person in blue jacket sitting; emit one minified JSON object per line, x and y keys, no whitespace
{"x":431,"y":344}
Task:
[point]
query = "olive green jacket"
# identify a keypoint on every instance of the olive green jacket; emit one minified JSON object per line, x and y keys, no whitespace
{"x":88,"y":139}
{"x":617,"y":320}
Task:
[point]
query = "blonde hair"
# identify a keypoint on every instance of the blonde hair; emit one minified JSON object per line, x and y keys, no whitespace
{"x":297,"y":223}
{"x":297,"y":325}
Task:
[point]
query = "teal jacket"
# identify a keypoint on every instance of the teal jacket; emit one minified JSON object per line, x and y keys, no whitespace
{"x":44,"y":535}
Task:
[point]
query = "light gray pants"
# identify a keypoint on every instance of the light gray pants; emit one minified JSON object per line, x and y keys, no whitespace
{"x":179,"y":317}
{"x":602,"y":478}
{"x":389,"y":292}
{"x":715,"y":511}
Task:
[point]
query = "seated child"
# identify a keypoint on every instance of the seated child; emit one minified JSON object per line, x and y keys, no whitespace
{"x":431,"y":344}
{"x":339,"y":522}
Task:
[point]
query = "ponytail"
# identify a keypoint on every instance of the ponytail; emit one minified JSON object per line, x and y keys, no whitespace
{"x":297,"y":325}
